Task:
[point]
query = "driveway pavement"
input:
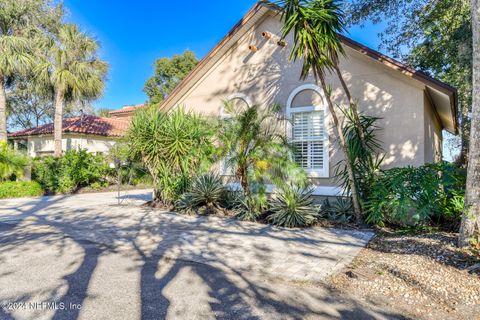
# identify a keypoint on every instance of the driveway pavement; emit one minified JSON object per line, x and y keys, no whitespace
{"x":86,"y":257}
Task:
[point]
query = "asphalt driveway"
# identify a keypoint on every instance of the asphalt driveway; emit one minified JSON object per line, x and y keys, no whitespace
{"x":86,"y":257}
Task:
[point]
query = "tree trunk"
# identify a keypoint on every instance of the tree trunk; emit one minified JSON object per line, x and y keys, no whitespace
{"x":242,"y":173}
{"x":470,"y":226}
{"x":351,"y":177}
{"x":58,"y":122}
{"x":462,"y":160}
{"x":353,"y":107}
{"x":3,"y":111}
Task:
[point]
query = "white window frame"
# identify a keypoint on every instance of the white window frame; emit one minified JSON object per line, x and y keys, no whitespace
{"x":314,"y":173}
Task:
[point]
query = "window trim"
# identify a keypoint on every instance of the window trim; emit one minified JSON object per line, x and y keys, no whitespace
{"x":236,"y":95}
{"x":314,"y":173}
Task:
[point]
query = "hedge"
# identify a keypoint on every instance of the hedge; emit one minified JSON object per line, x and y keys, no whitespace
{"x":18,"y":189}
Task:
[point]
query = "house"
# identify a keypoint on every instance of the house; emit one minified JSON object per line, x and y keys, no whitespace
{"x":96,"y":134}
{"x":250,"y":66}
{"x":125,"y":112}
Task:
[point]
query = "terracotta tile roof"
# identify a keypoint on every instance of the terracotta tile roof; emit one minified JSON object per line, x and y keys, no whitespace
{"x":86,"y":125}
{"x":126,"y":109}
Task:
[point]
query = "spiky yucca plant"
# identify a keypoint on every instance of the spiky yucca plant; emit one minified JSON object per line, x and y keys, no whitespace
{"x":205,"y":192}
{"x":174,"y":147}
{"x":293,"y":207}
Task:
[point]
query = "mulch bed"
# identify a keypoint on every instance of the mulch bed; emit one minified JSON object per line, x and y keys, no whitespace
{"x":421,"y":276}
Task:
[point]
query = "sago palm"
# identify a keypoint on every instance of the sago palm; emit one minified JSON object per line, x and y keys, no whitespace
{"x":72,"y":71}
{"x":315,"y":25}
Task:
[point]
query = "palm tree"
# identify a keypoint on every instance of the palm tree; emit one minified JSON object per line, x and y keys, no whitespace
{"x":253,"y":146}
{"x":471,"y":216}
{"x":72,"y":71}
{"x":315,"y":25}
{"x":15,"y":55}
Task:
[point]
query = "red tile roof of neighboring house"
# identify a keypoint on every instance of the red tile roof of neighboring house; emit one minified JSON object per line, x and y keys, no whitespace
{"x":126,"y":109}
{"x":87,"y":125}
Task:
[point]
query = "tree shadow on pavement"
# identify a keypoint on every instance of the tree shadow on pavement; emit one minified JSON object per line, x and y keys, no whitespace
{"x":232,"y":292}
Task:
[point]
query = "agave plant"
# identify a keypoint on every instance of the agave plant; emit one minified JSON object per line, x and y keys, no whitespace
{"x":250,"y":208}
{"x":293,"y":207}
{"x":340,"y":211}
{"x":205,"y":192}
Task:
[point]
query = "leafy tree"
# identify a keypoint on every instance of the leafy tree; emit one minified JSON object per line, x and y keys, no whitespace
{"x":173,"y":146}
{"x":315,"y":25}
{"x":434,"y":36}
{"x":72,"y":71}
{"x":471,"y":216}
{"x":168,"y":73}
{"x":26,"y":108}
{"x":20,"y":22}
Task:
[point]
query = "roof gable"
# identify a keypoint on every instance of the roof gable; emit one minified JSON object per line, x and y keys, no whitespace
{"x":443,"y":95}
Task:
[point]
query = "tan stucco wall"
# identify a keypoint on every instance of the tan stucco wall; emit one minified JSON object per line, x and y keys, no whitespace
{"x":38,"y":145}
{"x":433,"y":134}
{"x":266,"y":76}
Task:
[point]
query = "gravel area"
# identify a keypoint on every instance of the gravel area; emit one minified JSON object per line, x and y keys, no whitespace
{"x":421,"y":276}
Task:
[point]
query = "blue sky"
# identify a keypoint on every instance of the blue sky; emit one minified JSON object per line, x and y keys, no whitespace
{"x":135,"y":33}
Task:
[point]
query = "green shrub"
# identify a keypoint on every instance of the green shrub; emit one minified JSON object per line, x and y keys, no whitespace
{"x":293,"y":207}
{"x":98,"y":185}
{"x":75,"y":169}
{"x":66,"y":184}
{"x":82,"y":167}
{"x":205,"y":192}
{"x":12,"y":162}
{"x":17,"y":189}
{"x":415,"y":196}
{"x":46,"y":170}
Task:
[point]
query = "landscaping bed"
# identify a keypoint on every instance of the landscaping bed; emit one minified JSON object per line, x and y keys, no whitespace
{"x":422,"y":276}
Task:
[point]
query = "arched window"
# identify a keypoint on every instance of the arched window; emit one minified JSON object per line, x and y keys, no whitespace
{"x":240,"y":101}
{"x":306,"y":129}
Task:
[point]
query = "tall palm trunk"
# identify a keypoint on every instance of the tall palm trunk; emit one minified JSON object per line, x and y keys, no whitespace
{"x":351,"y":176}
{"x":3,"y":111}
{"x":58,"y":122}
{"x":353,"y":107}
{"x":471,"y":213}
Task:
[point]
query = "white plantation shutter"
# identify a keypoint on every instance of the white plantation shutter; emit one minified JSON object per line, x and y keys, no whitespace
{"x":308,"y":134}
{"x":306,"y":129}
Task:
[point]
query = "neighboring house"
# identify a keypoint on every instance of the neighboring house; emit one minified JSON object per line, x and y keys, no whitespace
{"x":96,"y":134}
{"x":251,"y":67}
{"x":125,"y":112}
